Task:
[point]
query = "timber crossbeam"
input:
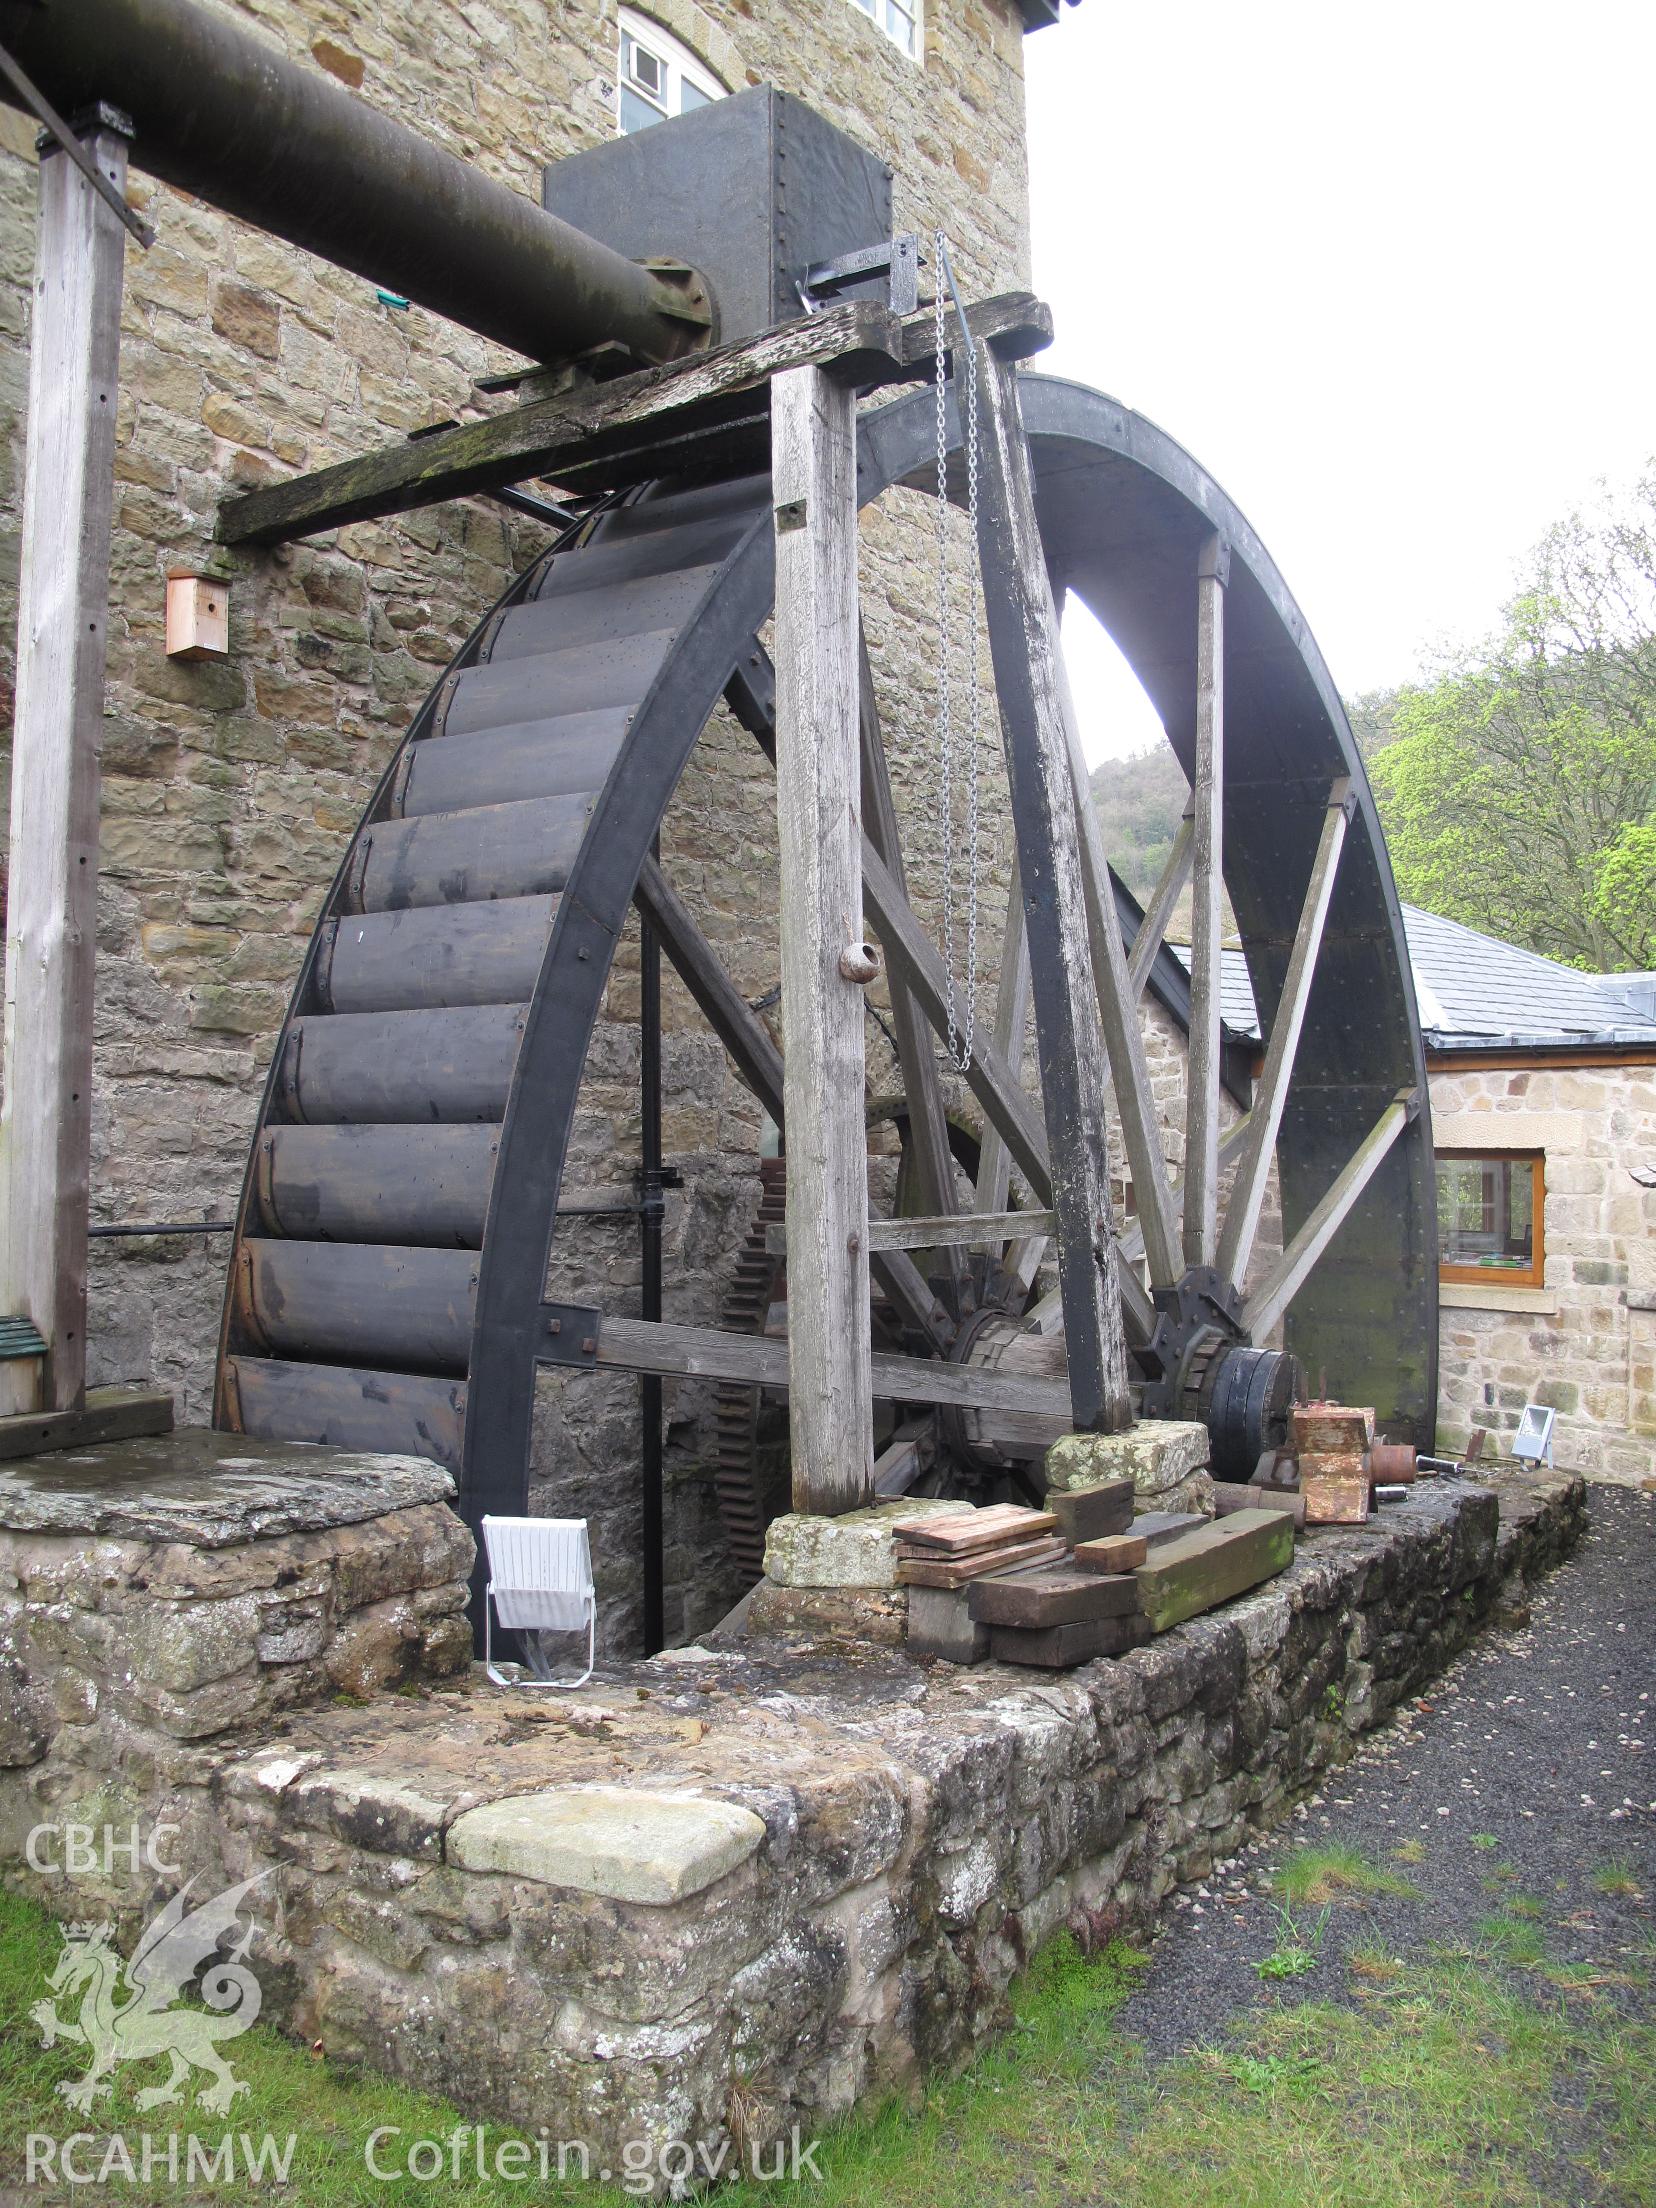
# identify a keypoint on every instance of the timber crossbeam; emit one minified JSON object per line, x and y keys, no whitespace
{"x":629,"y":430}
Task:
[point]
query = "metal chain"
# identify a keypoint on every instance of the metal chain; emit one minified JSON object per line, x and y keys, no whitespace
{"x":961,"y":1032}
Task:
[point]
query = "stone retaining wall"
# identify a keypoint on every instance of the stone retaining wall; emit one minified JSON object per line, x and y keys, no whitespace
{"x":733,"y":1890}
{"x":177,"y":1589}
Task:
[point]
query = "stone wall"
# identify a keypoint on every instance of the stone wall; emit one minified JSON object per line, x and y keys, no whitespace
{"x":731,"y":1891}
{"x":230,"y":790}
{"x":1584,"y":1342}
{"x":160,"y":1591}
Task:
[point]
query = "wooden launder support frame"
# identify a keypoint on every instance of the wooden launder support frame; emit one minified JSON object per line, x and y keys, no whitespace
{"x":818,"y":698}
{"x":51,"y":922}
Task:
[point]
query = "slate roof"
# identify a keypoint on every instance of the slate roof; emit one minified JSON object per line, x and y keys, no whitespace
{"x":1476,"y":993}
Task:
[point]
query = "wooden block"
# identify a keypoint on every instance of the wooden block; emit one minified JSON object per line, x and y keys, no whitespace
{"x":110,"y":1414}
{"x":1092,"y":1513}
{"x":955,"y":1571}
{"x":973,"y":1529}
{"x":1054,"y":1594}
{"x":1120,"y":1552}
{"x":1199,"y":1570}
{"x":940,"y":1624}
{"x":1156,"y":1526}
{"x":1058,"y":1647}
{"x":1316,"y":1427}
{"x":1336,"y":1500}
{"x":1229,"y":1498}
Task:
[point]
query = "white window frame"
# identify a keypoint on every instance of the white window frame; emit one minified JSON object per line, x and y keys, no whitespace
{"x":679,"y":67}
{"x":910,"y":12}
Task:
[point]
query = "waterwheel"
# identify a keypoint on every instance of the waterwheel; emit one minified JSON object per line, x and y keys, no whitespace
{"x":387,"y":1285}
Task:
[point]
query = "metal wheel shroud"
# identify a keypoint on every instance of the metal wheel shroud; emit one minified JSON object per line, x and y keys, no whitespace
{"x":396,"y":1223}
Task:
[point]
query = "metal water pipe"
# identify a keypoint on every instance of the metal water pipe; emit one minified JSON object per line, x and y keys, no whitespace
{"x":222,"y":114}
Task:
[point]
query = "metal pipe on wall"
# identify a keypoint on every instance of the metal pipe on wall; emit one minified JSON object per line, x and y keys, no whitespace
{"x":225,"y":116}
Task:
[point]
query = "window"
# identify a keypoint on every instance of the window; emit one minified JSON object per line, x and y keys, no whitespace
{"x":899,"y":19}
{"x":1490,"y":1218}
{"x":659,"y":76}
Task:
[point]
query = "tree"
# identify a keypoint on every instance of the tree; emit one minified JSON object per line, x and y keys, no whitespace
{"x":1518,"y":789}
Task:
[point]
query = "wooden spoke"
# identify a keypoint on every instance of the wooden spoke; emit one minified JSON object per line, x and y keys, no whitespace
{"x":1011,"y":1020}
{"x":1023,"y":1260}
{"x":900,"y":1463}
{"x":721,"y":1003}
{"x":1273,"y":1296}
{"x":1118,"y":1007}
{"x":707,"y":1353}
{"x":1230,"y":1146}
{"x":1159,"y":911}
{"x":911,"y":956}
{"x":1248,"y":1189}
{"x":1023,"y":642}
{"x":927,"y":1119}
{"x":913,"y":960}
{"x":1201,"y":1176}
{"x":759,"y":1062}
{"x":1047,"y":1316}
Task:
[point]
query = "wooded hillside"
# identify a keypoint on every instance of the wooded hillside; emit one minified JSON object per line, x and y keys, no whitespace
{"x":1517,"y":779}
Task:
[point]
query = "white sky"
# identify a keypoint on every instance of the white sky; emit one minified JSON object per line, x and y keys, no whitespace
{"x":1386,"y":271}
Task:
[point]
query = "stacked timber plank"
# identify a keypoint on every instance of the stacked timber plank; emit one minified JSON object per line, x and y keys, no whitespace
{"x":1084,"y":1578}
{"x":948,"y":1552}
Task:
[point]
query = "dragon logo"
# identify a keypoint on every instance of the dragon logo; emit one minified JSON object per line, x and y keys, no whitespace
{"x":127,"y":2009}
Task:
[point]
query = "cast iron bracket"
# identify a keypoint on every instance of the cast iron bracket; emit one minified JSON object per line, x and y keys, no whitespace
{"x":569,"y":1335}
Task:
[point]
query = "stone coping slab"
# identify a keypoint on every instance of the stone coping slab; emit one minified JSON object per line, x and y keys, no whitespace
{"x":624,"y":1842}
{"x":213,"y":1490}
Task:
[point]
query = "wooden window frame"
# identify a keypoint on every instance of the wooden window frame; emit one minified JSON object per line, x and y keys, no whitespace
{"x":1533,"y":1275}
{"x":913,"y":11}
{"x":680,"y":64}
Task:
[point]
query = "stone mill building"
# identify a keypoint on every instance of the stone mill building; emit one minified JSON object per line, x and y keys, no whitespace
{"x":230,"y":787}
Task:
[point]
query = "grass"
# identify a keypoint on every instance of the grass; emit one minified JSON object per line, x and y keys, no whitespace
{"x":1334,"y":1873}
{"x":1515,"y":1938}
{"x":1373,"y":1964}
{"x":1450,"y":2086}
{"x":1617,"y":1878}
{"x":1298,"y":1945}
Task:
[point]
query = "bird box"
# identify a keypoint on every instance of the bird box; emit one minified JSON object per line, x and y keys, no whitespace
{"x":198,"y":616}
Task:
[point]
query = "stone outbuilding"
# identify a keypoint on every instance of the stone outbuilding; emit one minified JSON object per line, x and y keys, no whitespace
{"x":1543,"y":1118}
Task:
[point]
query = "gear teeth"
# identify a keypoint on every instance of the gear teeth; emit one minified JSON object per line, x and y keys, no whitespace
{"x":746,"y":1310}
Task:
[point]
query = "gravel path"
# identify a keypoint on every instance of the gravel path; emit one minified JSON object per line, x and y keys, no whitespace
{"x":1536,"y":1752}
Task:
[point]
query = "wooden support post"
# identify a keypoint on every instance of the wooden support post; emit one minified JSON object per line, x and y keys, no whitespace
{"x":1207,"y":798}
{"x":1023,"y":641}
{"x":46,"y":1126}
{"x":814,"y":486}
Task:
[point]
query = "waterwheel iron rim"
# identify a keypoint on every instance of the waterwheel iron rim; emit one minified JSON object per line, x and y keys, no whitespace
{"x":1102,"y":474}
